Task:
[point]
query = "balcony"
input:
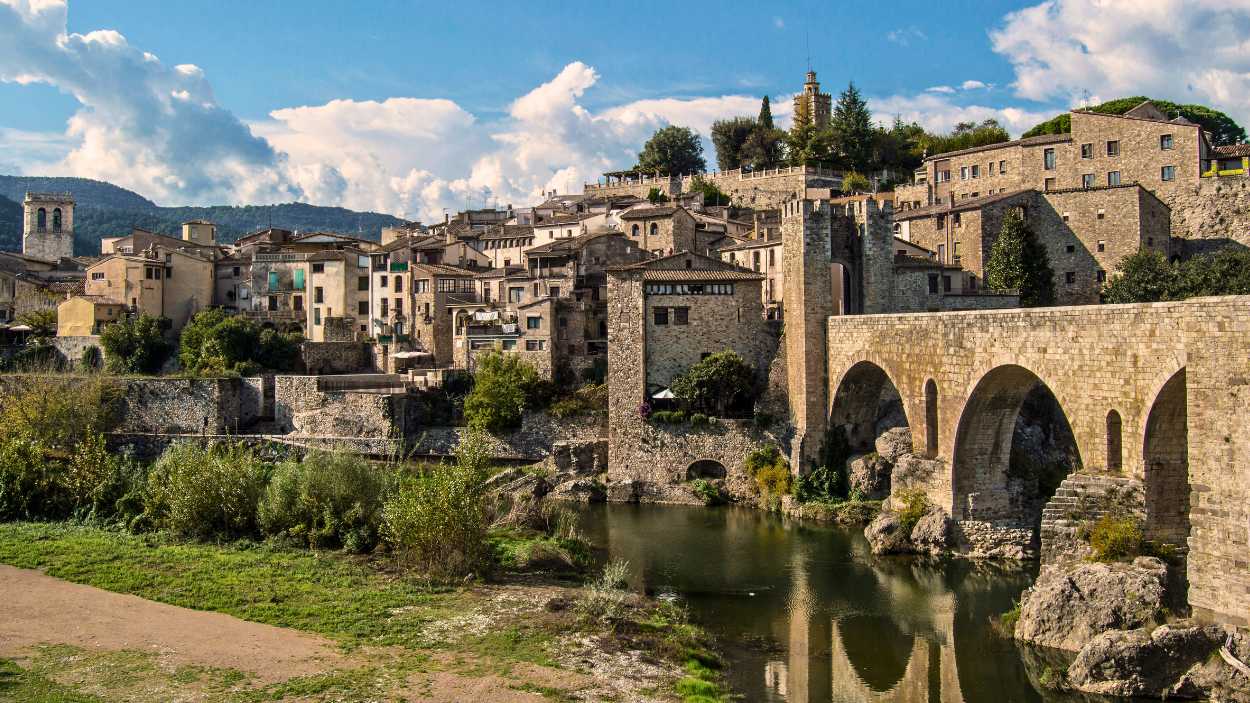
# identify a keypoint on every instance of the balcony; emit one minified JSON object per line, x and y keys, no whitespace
{"x":280,"y":257}
{"x":274,"y":314}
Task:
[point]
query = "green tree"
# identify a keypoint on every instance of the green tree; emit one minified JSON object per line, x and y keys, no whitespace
{"x":215,"y":342}
{"x":855,"y":182}
{"x":765,"y":120}
{"x":1144,"y":277}
{"x":852,"y":129}
{"x":1225,"y":272}
{"x":763,"y":149}
{"x":729,"y":137}
{"x":1223,"y":129}
{"x":711,"y":194}
{"x":810,"y":145}
{"x":717,"y":385}
{"x":135,"y":345}
{"x":42,"y":323}
{"x":1018,"y":261}
{"x":672,"y":150}
{"x":965,"y":135}
{"x":503,"y":386}
{"x":655,"y":196}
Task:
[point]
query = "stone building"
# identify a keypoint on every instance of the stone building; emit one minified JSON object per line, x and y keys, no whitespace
{"x":1086,"y":232}
{"x":48,"y":226}
{"x":814,"y":106}
{"x":1142,"y":146}
{"x":411,"y":306}
{"x":661,"y":230}
{"x":169,"y":283}
{"x":505,"y":245}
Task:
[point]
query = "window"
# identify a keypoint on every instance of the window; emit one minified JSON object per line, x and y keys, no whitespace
{"x":1102,"y":276}
{"x":385,"y":302}
{"x":362,"y":283}
{"x":1150,"y":241}
{"x":976,"y":171}
{"x":1002,"y":167}
{"x":421,"y":285}
{"x":1113,"y":178}
{"x":297,"y":302}
{"x":933,"y":284}
{"x":318,"y":295}
{"x":946,"y":175}
{"x":399,"y":306}
{"x":97,"y":275}
{"x":1102,"y":214}
{"x":772,"y":260}
{"x":1087,"y":180}
{"x":1165,"y":142}
{"x":1087,"y":151}
{"x":1102,"y":245}
{"x":1113,"y":147}
{"x":299,"y":279}
{"x":941,"y":221}
{"x":1048,"y":159}
{"x":316,"y":316}
{"x":963,"y":173}
{"x":362,"y":308}
{"x":681,"y":316}
{"x":946,"y":284}
{"x":1049,"y":184}
{"x":1168,"y":173}
{"x":1065,"y":217}
{"x":533,"y":322}
{"x":553,"y":291}
{"x":381,"y":281}
{"x":509,"y":344}
{"x":991,"y":168}
{"x":535,"y":344}
{"x":942,"y":253}
{"x":755,"y":261}
{"x":235,"y":272}
{"x":633,"y":231}
{"x":362,"y":261}
{"x":655,"y":229}
{"x":399,"y":284}
{"x":319,"y":268}
{"x":957,"y":219}
{"x":661,"y":316}
{"x":1071,"y":248}
{"x":1070,"y":277}
{"x":514,"y":294}
{"x":41,"y":220}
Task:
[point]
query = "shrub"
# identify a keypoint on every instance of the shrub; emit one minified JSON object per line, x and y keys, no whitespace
{"x":503,"y":387}
{"x":135,"y":345}
{"x":214,"y":342}
{"x":1115,"y":537}
{"x":326,"y":500}
{"x":587,"y":400}
{"x":821,"y":484}
{"x":604,"y":598}
{"x":720,"y":384}
{"x":30,"y":488}
{"x":437,"y":522}
{"x":700,"y":420}
{"x":103,"y":486}
{"x":205,"y":493}
{"x":915,"y":505}
{"x":707,"y":491}
{"x":774,"y":481}
{"x":57,"y":412}
{"x":669,"y":417}
{"x":1007,"y":621}
{"x":91,"y":359}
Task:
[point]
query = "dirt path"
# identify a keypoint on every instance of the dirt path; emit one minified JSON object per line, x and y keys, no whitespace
{"x":36,"y":609}
{"x":39,"y":609}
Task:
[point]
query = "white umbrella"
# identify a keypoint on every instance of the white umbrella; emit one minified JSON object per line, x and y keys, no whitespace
{"x":665,"y":394}
{"x":21,"y":328}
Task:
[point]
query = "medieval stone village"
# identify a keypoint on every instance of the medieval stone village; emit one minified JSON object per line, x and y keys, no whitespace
{"x":808,"y":423}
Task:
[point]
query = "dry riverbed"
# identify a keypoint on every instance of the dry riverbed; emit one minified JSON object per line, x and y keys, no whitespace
{"x":92,"y":615}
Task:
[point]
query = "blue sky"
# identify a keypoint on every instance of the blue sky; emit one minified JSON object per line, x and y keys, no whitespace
{"x":412,"y":107}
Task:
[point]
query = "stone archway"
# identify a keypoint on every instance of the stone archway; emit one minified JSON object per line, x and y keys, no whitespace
{"x":705,"y":468}
{"x":1005,"y":471}
{"x":865,"y":398}
{"x":1165,"y":454}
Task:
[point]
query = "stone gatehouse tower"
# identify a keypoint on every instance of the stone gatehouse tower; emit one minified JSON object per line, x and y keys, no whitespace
{"x":806,"y":235}
{"x":48,"y":226}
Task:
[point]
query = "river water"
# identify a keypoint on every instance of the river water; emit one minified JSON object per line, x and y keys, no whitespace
{"x":807,"y":614}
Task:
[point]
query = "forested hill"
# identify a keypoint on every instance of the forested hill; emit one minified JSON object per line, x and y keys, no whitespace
{"x":1223,"y":129}
{"x":105,"y":210}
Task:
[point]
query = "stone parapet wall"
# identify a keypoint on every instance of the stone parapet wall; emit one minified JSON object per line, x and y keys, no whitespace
{"x":336,"y":357}
{"x":71,"y":349}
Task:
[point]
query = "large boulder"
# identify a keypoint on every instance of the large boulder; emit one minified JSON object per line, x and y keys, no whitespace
{"x":1067,"y":609}
{"x":1143,"y":662}
{"x":581,"y":490}
{"x":911,"y":471}
{"x":579,"y":458}
{"x":893,"y":443}
{"x":887,"y":534}
{"x":870,"y":476}
{"x":626,"y":491}
{"x":933,"y":533}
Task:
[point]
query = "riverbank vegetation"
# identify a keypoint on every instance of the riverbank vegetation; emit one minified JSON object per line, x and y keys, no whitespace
{"x":1149,"y":277}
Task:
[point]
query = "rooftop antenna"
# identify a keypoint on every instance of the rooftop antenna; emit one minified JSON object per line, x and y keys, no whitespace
{"x":807,"y":41}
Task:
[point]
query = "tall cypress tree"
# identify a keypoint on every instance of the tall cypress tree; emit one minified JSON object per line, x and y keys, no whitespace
{"x":852,"y":127}
{"x":766,"y":114}
{"x":1017,"y":260}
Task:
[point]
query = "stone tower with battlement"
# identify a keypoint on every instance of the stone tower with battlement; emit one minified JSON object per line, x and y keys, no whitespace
{"x":877,"y":259}
{"x":817,"y":105}
{"x":48,"y":226}
{"x":808,"y":299}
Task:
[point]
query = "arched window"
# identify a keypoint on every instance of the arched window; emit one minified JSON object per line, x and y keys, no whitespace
{"x":633,"y":231}
{"x":56,"y":220}
{"x":931,"y":418}
{"x":41,"y":220}
{"x":1115,"y":445}
{"x":655,"y":229}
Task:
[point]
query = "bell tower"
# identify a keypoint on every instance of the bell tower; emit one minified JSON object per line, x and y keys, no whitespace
{"x":48,"y":226}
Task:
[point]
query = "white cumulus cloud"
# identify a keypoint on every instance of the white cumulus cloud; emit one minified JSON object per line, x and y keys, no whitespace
{"x":939,"y":113}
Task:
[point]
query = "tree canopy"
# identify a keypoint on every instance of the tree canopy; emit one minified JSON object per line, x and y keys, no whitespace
{"x":134,"y":345}
{"x":729,"y":137}
{"x":1018,"y":261}
{"x":1148,"y":277}
{"x":720,"y":384}
{"x":214,"y":342}
{"x":851,"y":124}
{"x":1223,"y":129}
{"x":503,"y":387}
{"x":672,"y":150}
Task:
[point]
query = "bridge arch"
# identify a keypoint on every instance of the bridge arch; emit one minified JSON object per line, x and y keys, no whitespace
{"x":705,"y":468}
{"x":858,"y":400}
{"x":993,"y":479}
{"x":1165,"y":458}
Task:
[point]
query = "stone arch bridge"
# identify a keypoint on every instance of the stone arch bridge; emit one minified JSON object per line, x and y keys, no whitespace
{"x":1157,"y":397}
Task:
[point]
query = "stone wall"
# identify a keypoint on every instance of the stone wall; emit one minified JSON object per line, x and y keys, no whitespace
{"x":1080,"y":500}
{"x":762,"y":190}
{"x":1213,"y":209}
{"x":71,"y":349}
{"x":183,"y":405}
{"x":335,"y":357}
{"x":534,"y":442}
{"x":1097,"y":360}
{"x":302,"y":408}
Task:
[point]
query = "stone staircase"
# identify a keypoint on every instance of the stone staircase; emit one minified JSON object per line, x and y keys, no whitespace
{"x":1081,"y":499}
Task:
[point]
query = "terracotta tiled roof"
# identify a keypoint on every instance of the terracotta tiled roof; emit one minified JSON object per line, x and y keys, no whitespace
{"x":958,"y":206}
{"x":754,"y":244}
{"x":1027,"y":141}
{"x":1232,"y":150}
{"x":681,"y":275}
{"x":643,"y":213}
